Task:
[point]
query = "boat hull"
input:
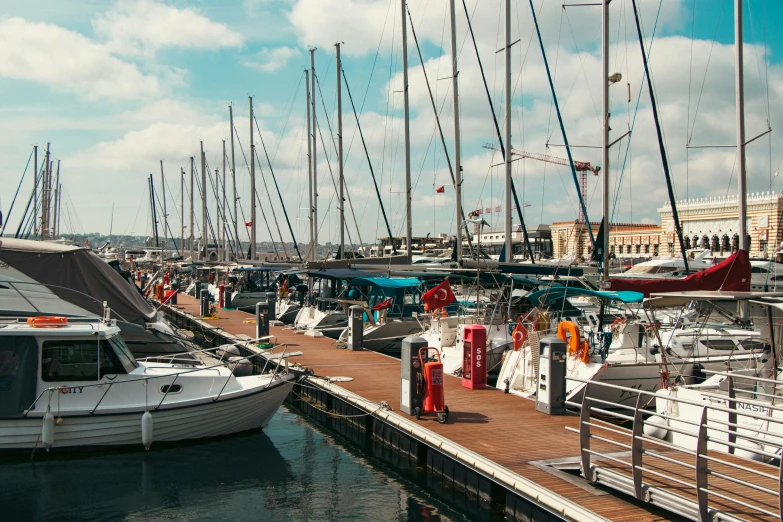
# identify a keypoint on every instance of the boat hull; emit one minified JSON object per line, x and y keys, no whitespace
{"x":207,"y":419}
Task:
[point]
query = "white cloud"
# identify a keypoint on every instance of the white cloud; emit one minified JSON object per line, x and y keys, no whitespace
{"x":68,"y":61}
{"x":143,"y":26}
{"x":270,"y":60}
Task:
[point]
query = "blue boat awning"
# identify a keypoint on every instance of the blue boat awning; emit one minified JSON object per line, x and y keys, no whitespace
{"x":549,"y":295}
{"x":386,"y":282}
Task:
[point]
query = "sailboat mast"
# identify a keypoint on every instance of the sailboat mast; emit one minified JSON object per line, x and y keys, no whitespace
{"x":35,"y":194}
{"x":507,"y":73}
{"x":224,"y":222}
{"x":192,"y":176}
{"x":165,"y":211}
{"x":182,"y":213}
{"x":252,"y":187}
{"x":742,"y":187}
{"x":234,"y":182}
{"x":56,"y":215}
{"x":604,"y":246}
{"x":311,"y":250}
{"x":204,"y":234}
{"x":45,"y":195}
{"x":315,"y":156}
{"x":406,"y":105}
{"x":340,"y":151}
{"x":457,"y":145}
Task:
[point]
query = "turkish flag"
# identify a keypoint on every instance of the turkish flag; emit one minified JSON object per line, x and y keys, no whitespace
{"x":519,"y":335}
{"x":248,"y":223}
{"x":441,"y":189}
{"x":383,"y":305}
{"x":438,"y":297}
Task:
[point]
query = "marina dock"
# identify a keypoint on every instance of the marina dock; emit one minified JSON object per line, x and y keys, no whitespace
{"x":495,"y":446}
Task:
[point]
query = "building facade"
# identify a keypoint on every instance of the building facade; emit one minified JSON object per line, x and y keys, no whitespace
{"x":707,"y":223}
{"x":626,"y":240}
{"x":713,"y":223}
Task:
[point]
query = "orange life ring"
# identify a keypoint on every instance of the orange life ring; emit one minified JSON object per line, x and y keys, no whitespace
{"x":47,"y":321}
{"x":572,"y":329}
{"x":578,"y":348}
{"x":64,"y":389}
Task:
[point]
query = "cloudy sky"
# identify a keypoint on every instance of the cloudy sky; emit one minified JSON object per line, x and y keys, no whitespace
{"x":118,"y":87}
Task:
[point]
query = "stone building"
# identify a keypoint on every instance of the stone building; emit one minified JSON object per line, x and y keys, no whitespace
{"x":707,"y":223}
{"x":712,"y":223}
{"x":626,"y":240}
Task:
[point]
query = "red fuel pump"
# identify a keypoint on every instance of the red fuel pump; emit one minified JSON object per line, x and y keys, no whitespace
{"x":430,"y":386}
{"x":166,"y":279}
{"x":474,"y":357}
{"x":222,"y":294}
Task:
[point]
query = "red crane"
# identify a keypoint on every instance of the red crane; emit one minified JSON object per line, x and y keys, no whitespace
{"x":580,"y":166}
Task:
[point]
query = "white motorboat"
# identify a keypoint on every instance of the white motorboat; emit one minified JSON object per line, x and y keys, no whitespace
{"x":70,"y":383}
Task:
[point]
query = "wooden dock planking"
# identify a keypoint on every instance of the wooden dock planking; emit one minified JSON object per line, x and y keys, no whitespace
{"x":501,"y":427}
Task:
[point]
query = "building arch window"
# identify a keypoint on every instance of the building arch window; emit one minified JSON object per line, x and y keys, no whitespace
{"x":695,"y":242}
{"x":705,"y":241}
{"x":715,"y":243}
{"x":725,"y":244}
{"x":687,"y":241}
{"x":735,"y":242}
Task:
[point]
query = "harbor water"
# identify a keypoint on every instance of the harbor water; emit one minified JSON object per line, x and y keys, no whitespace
{"x":290,"y":471}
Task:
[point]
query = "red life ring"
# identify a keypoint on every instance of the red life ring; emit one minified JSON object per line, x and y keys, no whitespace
{"x":64,"y":389}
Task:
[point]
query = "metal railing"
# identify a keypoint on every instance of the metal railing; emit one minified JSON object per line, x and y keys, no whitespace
{"x":712,"y":445}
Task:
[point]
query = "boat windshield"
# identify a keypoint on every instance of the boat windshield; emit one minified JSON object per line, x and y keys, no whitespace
{"x":657,"y":269}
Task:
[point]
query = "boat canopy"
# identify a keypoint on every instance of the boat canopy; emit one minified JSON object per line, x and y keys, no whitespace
{"x":78,"y":276}
{"x":21,"y":295}
{"x":730,"y":275}
{"x":555,"y":293}
{"x":339,"y":274}
{"x":386,"y":282}
{"x":255,"y":269}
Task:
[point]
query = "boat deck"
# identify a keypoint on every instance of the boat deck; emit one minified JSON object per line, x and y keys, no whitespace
{"x":503,"y":428}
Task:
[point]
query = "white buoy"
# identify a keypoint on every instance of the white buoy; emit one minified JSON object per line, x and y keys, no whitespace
{"x":656,"y":426}
{"x":146,"y":430}
{"x":47,"y":431}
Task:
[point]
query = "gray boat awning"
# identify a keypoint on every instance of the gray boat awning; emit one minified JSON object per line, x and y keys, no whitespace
{"x":666,"y":299}
{"x":23,"y":296}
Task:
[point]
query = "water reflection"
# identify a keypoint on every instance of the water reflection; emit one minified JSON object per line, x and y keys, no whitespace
{"x":288,"y":472}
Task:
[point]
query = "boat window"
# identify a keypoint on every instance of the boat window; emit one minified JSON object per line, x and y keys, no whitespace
{"x":171,"y":388}
{"x":123,"y":354}
{"x":758,"y":270}
{"x":757,"y":345}
{"x":18,"y":367}
{"x":718,"y":344}
{"x":69,"y":361}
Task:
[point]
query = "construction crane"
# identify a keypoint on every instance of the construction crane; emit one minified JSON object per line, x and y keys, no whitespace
{"x":582,"y":167}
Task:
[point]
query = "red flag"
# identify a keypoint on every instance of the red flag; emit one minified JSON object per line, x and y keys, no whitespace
{"x":488,"y":210}
{"x":497,"y":209}
{"x":248,"y":223}
{"x":441,"y":189}
{"x":519,"y":335}
{"x":479,"y":212}
{"x":438,"y":297}
{"x":383,"y":305}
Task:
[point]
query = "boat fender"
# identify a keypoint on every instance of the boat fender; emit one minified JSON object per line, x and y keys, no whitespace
{"x":243,"y":367}
{"x":146,"y":430}
{"x":655,"y":427}
{"x":748,"y":451}
{"x":47,"y":431}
